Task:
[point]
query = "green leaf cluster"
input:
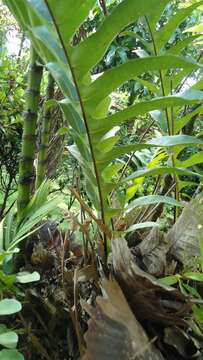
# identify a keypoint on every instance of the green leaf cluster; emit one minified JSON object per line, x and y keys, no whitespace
{"x":52,"y":25}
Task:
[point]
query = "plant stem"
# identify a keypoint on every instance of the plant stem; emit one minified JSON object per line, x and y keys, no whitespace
{"x":26,"y":166}
{"x":173,"y":158}
{"x":45,"y":136}
{"x":160,"y":74}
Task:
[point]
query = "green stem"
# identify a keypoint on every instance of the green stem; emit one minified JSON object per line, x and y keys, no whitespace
{"x":160,"y":74}
{"x":176,"y":179}
{"x":26,"y":166}
{"x":45,"y":136}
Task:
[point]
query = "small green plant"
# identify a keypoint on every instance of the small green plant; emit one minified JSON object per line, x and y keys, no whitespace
{"x":10,"y":306}
{"x":188,"y":283}
{"x":12,"y":232}
{"x":9,"y":338}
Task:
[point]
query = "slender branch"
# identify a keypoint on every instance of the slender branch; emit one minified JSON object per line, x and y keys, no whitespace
{"x":78,"y":329}
{"x":102,"y":226}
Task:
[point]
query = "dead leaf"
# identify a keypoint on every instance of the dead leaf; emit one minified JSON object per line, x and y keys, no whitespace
{"x":181,"y":342}
{"x":185,"y":234}
{"x":153,"y":251}
{"x":145,"y":294}
{"x":113,"y":331}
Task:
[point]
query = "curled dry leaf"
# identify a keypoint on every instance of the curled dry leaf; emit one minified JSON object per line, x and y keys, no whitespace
{"x":185,"y":234}
{"x":182,"y":241}
{"x":113,"y":331}
{"x":152,"y":251}
{"x":145,"y":294}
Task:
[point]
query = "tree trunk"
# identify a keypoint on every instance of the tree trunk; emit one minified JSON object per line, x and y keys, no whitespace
{"x":45,"y":136}
{"x":26,"y":167}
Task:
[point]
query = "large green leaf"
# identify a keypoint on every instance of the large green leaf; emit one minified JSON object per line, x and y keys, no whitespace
{"x":9,"y":306}
{"x":63,"y":13}
{"x":8,"y":338}
{"x":100,"y":126}
{"x":161,"y":171}
{"x":191,"y":161}
{"x":175,"y":140}
{"x":162,"y":36}
{"x":151,"y":200}
{"x":109,"y":29}
{"x":11,"y":355}
{"x":113,"y":78}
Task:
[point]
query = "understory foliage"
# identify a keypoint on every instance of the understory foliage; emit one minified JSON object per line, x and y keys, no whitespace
{"x":12,"y":90}
{"x":127,"y":77}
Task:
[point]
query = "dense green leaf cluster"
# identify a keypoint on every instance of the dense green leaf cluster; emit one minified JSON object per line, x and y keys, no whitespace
{"x":51,"y":27}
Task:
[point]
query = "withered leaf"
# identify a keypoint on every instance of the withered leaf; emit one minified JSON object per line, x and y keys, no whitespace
{"x":181,"y":342}
{"x":145,"y":294}
{"x":185,"y":234}
{"x":153,"y":251}
{"x":113,"y":331}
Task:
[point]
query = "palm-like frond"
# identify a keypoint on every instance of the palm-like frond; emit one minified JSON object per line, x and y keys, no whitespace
{"x":51,"y":25}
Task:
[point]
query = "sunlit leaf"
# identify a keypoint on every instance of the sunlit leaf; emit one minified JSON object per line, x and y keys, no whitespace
{"x":170,"y":280}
